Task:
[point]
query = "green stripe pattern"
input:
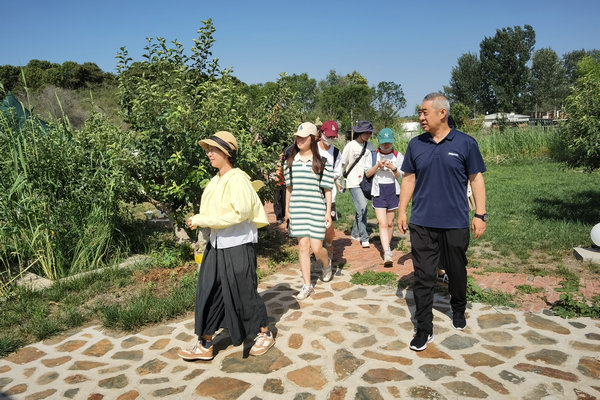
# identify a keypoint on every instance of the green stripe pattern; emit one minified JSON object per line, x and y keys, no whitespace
{"x":307,"y":203}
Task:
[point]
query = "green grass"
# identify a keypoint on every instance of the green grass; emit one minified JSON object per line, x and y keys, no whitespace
{"x":537,"y":206}
{"x":374,"y":278}
{"x":488,"y":296}
{"x":504,"y":270}
{"x":516,"y":143}
{"x":147,"y":308}
{"x":528,"y":289}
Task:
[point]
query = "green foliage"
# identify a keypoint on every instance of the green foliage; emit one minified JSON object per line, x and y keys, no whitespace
{"x":461,"y":114}
{"x":374,"y":278}
{"x":517,"y":143}
{"x":570,"y":282}
{"x":505,"y":74}
{"x":528,"y":289}
{"x":572,"y":58}
{"x":39,"y":73}
{"x":465,"y":84}
{"x":147,"y":308}
{"x":388,"y":100}
{"x":59,"y":195}
{"x":548,"y":81}
{"x":571,"y":305}
{"x":580,"y":134}
{"x":171,"y":100}
{"x":10,"y":343}
{"x":488,"y":296}
{"x":345,"y":98}
{"x":539,"y":206}
{"x":171,"y":255}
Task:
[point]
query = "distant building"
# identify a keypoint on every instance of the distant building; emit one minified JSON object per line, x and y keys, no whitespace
{"x":411,"y":127}
{"x":512,"y":118}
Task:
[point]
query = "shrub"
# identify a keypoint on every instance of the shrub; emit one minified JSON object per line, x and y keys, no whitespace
{"x":60,"y":192}
{"x":580,"y":134}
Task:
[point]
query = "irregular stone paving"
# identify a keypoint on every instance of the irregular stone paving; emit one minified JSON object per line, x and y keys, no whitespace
{"x":343,"y":342}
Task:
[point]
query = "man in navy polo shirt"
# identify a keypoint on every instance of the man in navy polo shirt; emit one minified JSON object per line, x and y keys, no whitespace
{"x":437,"y":166}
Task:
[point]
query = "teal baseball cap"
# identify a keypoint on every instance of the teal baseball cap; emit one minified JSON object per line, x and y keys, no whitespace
{"x":386,"y":135}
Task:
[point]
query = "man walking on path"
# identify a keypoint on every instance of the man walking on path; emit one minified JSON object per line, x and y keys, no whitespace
{"x":438,"y":165}
{"x":353,"y":165}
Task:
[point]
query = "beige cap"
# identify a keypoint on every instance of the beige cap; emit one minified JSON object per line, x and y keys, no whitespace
{"x":306,"y":129}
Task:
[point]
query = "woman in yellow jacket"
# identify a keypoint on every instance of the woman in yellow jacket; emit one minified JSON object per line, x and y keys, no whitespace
{"x":227,"y":295}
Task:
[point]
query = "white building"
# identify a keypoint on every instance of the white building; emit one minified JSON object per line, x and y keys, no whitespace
{"x":512,"y":118}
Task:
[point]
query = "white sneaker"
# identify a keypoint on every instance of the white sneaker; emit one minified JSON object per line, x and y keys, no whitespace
{"x":365,"y":243}
{"x":305,"y":292}
{"x":388,"y":258}
{"x":356,"y":238}
{"x":327,"y":272}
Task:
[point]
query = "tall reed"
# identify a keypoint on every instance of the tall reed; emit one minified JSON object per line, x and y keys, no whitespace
{"x":60,"y":196}
{"x":517,"y":143}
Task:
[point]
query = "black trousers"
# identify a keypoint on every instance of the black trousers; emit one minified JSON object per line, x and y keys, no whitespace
{"x":432,"y":247}
{"x":227,"y":295}
{"x":279,"y":203}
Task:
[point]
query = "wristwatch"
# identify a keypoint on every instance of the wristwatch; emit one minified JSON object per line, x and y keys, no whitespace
{"x":484,"y":217}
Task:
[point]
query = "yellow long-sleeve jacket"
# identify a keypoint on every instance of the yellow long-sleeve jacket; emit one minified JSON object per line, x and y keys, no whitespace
{"x":229,"y":200}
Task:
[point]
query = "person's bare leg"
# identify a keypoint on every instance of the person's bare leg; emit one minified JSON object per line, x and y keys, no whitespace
{"x":384,"y":231}
{"x":319,"y":251}
{"x":304,"y":258}
{"x":391,"y":214}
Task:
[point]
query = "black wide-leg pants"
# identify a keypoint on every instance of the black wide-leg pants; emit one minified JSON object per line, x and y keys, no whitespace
{"x":432,"y":248}
{"x":227,"y":296}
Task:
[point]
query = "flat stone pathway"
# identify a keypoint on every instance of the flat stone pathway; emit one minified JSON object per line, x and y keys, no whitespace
{"x":343,"y":342}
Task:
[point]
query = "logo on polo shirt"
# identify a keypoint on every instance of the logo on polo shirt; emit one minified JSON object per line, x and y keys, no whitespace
{"x":452,"y":154}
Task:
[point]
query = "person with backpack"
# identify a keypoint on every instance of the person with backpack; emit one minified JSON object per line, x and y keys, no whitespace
{"x":327,"y":133}
{"x":309,"y":181}
{"x":383,"y":166}
{"x":353,"y":165}
{"x":280,"y":192}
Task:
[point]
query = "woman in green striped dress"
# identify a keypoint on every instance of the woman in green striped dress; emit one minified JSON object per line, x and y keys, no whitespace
{"x":309,"y":180}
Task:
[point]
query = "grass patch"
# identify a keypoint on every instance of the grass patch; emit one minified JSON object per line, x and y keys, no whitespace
{"x":10,"y":343}
{"x":528,"y":289}
{"x":488,"y":296}
{"x":538,"y":206}
{"x":572,"y":305}
{"x":570,"y":282}
{"x":538,"y":271}
{"x":373,"y":278}
{"x":147,"y":308}
{"x":508,"y":270}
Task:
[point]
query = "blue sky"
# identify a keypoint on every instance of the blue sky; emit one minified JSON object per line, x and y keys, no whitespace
{"x":415,"y":44}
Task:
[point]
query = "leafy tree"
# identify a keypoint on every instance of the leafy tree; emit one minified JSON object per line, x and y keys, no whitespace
{"x":172,"y":99}
{"x":461,"y":114}
{"x":505,"y":74}
{"x":580,"y":134}
{"x":345,"y":98}
{"x":466,"y":82}
{"x":572,"y":58}
{"x":307,"y":91}
{"x":388,"y":100}
{"x":10,"y":77}
{"x":548,"y":81}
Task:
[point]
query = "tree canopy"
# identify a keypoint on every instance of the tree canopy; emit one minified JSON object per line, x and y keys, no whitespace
{"x":172,"y":99}
{"x":505,"y":75}
{"x":581,"y":132}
